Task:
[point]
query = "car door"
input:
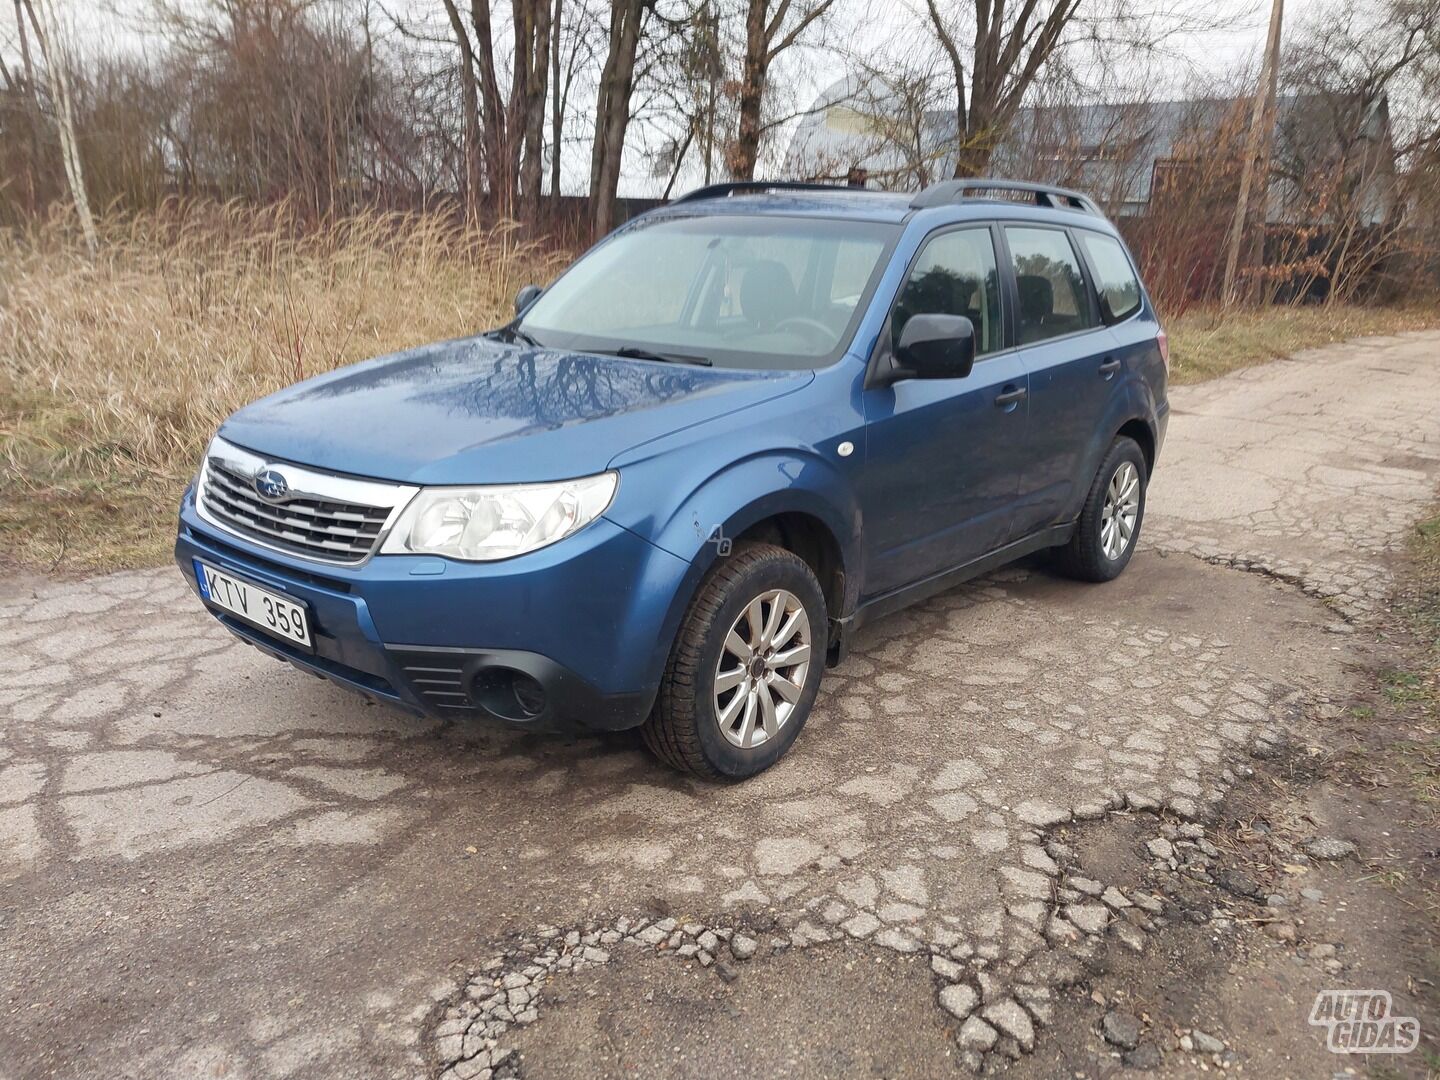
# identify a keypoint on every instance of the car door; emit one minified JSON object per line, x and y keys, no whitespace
{"x":943,"y":456}
{"x":1117,"y":287}
{"x":1068,"y":354}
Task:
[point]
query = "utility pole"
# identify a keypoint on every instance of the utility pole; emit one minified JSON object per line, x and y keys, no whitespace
{"x":1257,"y":153}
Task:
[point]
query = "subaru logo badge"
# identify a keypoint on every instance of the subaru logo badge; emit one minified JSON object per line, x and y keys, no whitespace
{"x":271,"y":484}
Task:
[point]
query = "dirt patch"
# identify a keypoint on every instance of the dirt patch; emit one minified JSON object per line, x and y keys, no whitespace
{"x":1243,"y":950}
{"x":1113,"y":848}
{"x":825,"y":1011}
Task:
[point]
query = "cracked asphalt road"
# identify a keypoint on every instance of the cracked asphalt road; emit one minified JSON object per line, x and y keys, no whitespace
{"x":212,"y":865}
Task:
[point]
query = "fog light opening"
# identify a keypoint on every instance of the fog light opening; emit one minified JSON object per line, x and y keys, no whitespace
{"x":508,"y":694}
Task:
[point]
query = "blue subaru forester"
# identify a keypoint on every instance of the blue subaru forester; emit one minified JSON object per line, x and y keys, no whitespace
{"x":667,"y":493}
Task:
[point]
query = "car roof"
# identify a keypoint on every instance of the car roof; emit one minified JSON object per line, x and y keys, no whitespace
{"x":856,"y":205}
{"x":937,"y":205}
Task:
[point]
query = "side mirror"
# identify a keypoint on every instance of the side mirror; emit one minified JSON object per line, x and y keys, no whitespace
{"x":936,"y":347}
{"x":527,"y":295}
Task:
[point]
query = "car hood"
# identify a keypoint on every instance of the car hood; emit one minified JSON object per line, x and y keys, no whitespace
{"x":475,"y":410}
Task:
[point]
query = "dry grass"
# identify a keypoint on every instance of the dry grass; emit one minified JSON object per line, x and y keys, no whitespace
{"x":1205,"y":343}
{"x":1415,"y":689}
{"x":115,"y":372}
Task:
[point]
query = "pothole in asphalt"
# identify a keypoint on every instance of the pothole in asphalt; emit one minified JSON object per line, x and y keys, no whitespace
{"x":826,"y":1011}
{"x":1111,"y":850}
{"x":677,"y":998}
{"x":607,"y":994}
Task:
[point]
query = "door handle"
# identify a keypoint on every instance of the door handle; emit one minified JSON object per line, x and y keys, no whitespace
{"x":1010,"y":395}
{"x":1109,"y":366}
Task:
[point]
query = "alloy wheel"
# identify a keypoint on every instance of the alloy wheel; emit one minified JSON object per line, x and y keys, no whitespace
{"x":761,"y":672}
{"x":1121,"y":511}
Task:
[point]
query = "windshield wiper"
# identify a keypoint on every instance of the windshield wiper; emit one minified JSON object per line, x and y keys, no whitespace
{"x":513,"y":335}
{"x":634,"y":352}
{"x":516,"y":334}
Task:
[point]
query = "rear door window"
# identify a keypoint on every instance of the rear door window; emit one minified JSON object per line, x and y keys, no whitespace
{"x":1115,"y":278}
{"x":1052,"y":294}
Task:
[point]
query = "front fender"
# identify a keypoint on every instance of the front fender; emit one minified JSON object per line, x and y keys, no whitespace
{"x":726,"y":504}
{"x":723,"y":503}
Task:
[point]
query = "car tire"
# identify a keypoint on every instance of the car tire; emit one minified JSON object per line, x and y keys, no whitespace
{"x":1098,"y":550}
{"x":698,"y":725}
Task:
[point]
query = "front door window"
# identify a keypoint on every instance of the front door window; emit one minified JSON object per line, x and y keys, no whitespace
{"x":955,"y":274}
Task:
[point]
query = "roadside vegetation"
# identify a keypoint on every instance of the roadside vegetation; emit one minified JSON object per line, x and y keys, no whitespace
{"x":1207,"y":342}
{"x":114,"y":371}
{"x":1387,"y":746}
{"x":1413,"y":691}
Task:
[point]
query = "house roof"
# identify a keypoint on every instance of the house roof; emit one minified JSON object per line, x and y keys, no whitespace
{"x":1108,"y":149}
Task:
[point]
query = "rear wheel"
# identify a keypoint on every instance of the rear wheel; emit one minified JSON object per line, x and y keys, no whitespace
{"x":745,"y":668}
{"x":1109,"y":524}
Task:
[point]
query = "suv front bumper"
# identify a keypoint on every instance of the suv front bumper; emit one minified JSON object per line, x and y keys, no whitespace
{"x":587,"y":620}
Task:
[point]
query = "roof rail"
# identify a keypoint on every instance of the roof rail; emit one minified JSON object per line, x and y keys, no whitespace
{"x":733,"y":187}
{"x":950,"y":191}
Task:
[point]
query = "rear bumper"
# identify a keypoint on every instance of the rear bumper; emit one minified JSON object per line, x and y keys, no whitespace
{"x":586,"y":623}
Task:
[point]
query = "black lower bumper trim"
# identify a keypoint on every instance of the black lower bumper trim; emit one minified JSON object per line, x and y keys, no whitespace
{"x":445,"y":681}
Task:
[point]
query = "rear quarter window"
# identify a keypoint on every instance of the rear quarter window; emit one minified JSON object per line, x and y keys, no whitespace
{"x":1115,"y":280}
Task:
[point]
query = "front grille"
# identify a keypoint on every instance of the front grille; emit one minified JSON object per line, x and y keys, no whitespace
{"x":323,"y":581}
{"x":306,"y":523}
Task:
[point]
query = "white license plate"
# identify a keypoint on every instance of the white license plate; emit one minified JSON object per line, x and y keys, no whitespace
{"x":271,"y":612}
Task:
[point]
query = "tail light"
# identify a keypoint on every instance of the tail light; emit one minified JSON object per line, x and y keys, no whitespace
{"x":1163,"y":343}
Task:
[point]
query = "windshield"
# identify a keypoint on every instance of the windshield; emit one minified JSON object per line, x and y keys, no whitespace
{"x":759,"y":291}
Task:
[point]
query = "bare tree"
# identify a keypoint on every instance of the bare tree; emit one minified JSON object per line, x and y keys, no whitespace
{"x":469,"y":106}
{"x":504,"y":131}
{"x":612,"y":108}
{"x":1010,"y":47}
{"x":28,"y":92}
{"x":684,"y":75}
{"x":577,"y":30}
{"x":771,"y":27}
{"x":1357,"y":159}
{"x":1180,"y":237}
{"x":47,"y":37}
{"x":558,"y":93}
{"x":700,"y":71}
{"x":499,"y":171}
{"x":705,"y":70}
{"x":527,"y":97}
{"x":886,"y":119}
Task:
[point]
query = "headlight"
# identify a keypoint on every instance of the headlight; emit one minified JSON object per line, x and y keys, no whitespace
{"x":485,"y":523}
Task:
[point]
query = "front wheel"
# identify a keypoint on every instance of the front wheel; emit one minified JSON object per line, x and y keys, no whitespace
{"x":745,"y":668}
{"x":1109,"y":525}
